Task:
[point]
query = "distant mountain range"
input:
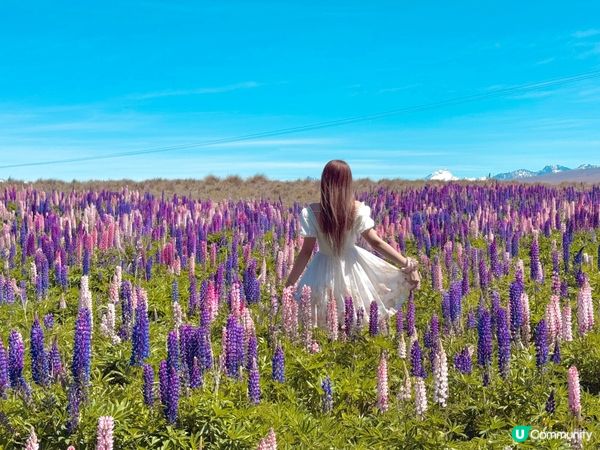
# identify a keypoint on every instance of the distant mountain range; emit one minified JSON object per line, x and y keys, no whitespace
{"x":557,"y":173}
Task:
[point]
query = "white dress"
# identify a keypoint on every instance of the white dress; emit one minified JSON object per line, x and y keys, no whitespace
{"x":356,"y":272}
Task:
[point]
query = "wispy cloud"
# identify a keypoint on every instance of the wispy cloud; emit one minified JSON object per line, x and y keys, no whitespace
{"x":195,"y":91}
{"x":586,"y":33}
{"x":545,"y":61}
{"x":398,"y":89}
{"x":532,"y":94}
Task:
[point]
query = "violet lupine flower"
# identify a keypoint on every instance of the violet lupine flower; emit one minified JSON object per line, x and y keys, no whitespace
{"x":148,"y":388}
{"x":455,"y":303}
{"x":574,"y":391}
{"x":566,"y":250}
{"x":503,"y":333}
{"x":49,"y":321}
{"x":515,"y":291}
{"x":252,"y":351}
{"x":373,"y":318}
{"x":465,"y":279}
{"x":82,"y":348}
{"x":175,"y":291}
{"x":278,"y":370}
{"x":196,"y":378}
{"x":446,"y":311}
{"x":327,"y":394}
{"x":494,"y":263}
{"x":173,"y":349}
{"x":471,"y":320}
{"x":254,"y":383}
{"x":416,"y":361}
{"x":55,"y":361}
{"x":556,"y":353}
{"x":4,"y":380}
{"x":75,"y":397}
{"x":205,"y":348}
{"x":169,"y":391}
{"x":348,"y":315}
{"x":484,"y":344}
{"x":16,"y":350}
{"x":39,"y":358}
{"x":541,"y":343}
{"x":235,"y":347}
{"x":105,"y":433}
{"x":551,"y":403}
{"x":140,"y":338}
{"x":534,"y":254}
{"x":382,"y":384}
{"x":462,"y":361}
{"x":410,"y":315}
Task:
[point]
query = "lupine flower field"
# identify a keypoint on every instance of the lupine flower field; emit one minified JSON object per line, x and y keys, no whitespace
{"x":138,"y":321}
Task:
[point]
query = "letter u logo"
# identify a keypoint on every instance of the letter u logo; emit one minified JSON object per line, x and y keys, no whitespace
{"x":520,"y":433}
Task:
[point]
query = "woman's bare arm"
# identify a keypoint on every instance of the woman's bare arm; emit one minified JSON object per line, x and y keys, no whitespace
{"x":301,"y":260}
{"x":384,"y":248}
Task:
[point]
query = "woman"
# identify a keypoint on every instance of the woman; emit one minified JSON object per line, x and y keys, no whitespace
{"x":341,"y":268}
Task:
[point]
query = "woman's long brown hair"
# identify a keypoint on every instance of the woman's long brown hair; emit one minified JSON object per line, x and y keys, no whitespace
{"x":337,"y":202}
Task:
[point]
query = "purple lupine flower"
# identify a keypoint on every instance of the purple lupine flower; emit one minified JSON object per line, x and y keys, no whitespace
{"x":55,"y":361}
{"x":446,"y":310}
{"x":465,"y":279}
{"x":148,"y":384}
{"x":235,"y":346}
{"x":483,"y":274}
{"x":551,"y":403}
{"x":515,"y":291}
{"x":484,"y":344}
{"x":175,"y":291}
{"x":373,"y":319}
{"x":173,"y":349}
{"x":462,"y":361}
{"x":196,"y":374}
{"x":49,"y":321}
{"x":252,"y":350}
{"x":126,"y":309}
{"x":503,"y":333}
{"x":416,"y":361}
{"x":534,"y":254}
{"x":75,"y":397}
{"x":541,"y":343}
{"x":455,"y":302}
{"x":566,"y":250}
{"x":140,"y":338}
{"x":348,"y":315}
{"x":82,"y":348}
{"x":278,"y":370}
{"x":556,"y":352}
{"x":169,"y":390}
{"x":327,"y":394}
{"x":86,"y":261}
{"x":39,"y":358}
{"x":410,"y":315}
{"x":495,"y":308}
{"x":4,"y":380}
{"x":205,"y":348}
{"x":254,"y":383}
{"x":471,"y":320}
{"x":193,"y":296}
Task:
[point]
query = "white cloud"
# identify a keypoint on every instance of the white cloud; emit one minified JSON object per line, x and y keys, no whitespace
{"x":586,"y":33}
{"x":195,"y":91}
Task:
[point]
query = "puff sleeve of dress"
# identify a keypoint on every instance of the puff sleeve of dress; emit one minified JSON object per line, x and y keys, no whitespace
{"x":364,"y":220}
{"x":306,"y":225}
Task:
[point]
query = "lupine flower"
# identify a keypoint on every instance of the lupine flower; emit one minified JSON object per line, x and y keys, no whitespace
{"x":74,"y":396}
{"x":348,"y":315}
{"x":382,"y":384}
{"x":567,"y":327}
{"x":205,"y":348}
{"x":515,"y":291}
{"x":16,"y":350}
{"x":416,"y":360}
{"x":306,"y":315}
{"x":373,"y":319}
{"x":534,"y":254}
{"x":556,"y":352}
{"x":148,"y":384}
{"x":82,"y":348}
{"x":436,"y":274}
{"x":410,"y":315}
{"x":252,"y":350}
{"x":173,"y":349}
{"x":49,"y":321}
{"x":290,"y":312}
{"x":254,"y":383}
{"x":332,"y":318}
{"x":235,"y":347}
{"x":196,"y":378}
{"x":269,"y":442}
{"x":327,"y":394}
{"x":4,"y":380}
{"x":32,"y":441}
{"x":551,"y":403}
{"x":420,"y":397}
{"x":541,"y":343}
{"x":574,"y":391}
{"x":105,"y":433}
{"x":585,"y":308}
{"x":401,"y":347}
{"x":503,"y":334}
{"x":440,"y":375}
{"x":484,"y":344}
{"x":169,"y":390}
{"x":140,"y":339}
{"x":55,"y":361}
{"x":278,"y":370}
{"x":39,"y":358}
{"x":455,"y":303}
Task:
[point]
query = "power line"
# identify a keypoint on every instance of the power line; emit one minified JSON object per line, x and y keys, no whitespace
{"x":325,"y":124}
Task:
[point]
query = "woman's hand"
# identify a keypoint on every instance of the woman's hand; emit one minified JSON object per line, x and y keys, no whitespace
{"x":415,"y":279}
{"x":411,"y":265}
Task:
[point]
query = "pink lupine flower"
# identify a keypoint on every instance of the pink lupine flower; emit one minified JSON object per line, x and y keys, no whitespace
{"x":567,"y":332}
{"x":32,"y":441}
{"x":306,"y":315}
{"x":382,"y":384}
{"x":314,"y":347}
{"x":585,"y":308}
{"x":420,"y":397}
{"x":332,"y":317}
{"x":269,"y":442}
{"x":105,"y":433}
{"x":290,"y":312}
{"x":574,"y":391}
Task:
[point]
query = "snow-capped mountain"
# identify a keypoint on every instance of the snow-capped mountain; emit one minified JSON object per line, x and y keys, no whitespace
{"x":441,"y":175}
{"x":524,"y":173}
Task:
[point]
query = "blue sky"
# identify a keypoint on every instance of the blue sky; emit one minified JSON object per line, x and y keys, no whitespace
{"x":82,"y":79}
